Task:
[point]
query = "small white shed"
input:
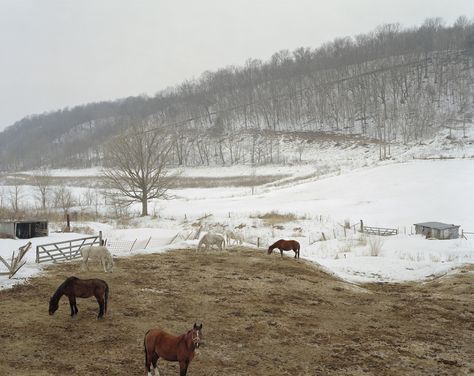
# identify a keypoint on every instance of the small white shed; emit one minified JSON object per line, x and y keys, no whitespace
{"x":437,"y":230}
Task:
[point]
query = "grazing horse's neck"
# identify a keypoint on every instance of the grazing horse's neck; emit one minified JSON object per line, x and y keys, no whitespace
{"x":188,"y":340}
{"x":58,"y":293}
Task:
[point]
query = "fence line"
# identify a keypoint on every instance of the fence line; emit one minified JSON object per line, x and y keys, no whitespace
{"x":464,"y":233}
{"x":64,"y":250}
{"x":120,"y":245}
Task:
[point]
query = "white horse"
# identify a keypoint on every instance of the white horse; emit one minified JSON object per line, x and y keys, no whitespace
{"x":100,"y":253}
{"x":231,"y":235}
{"x":211,"y":239}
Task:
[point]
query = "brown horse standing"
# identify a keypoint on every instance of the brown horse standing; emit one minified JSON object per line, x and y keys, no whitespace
{"x":159,"y":344}
{"x":286,"y":245}
{"x":74,"y":287}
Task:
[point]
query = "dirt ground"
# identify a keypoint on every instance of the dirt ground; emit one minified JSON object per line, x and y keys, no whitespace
{"x":261,"y":315}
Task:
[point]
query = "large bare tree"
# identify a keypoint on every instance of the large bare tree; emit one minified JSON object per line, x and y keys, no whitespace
{"x":137,"y":166}
{"x":63,"y":198}
{"x":42,"y":180}
{"x":16,"y":195}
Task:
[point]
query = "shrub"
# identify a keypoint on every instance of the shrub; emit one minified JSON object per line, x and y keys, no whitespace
{"x":362,"y":240}
{"x":375,"y":245}
{"x":274,"y":218}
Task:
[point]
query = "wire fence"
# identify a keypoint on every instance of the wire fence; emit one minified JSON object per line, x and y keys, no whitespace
{"x":119,"y":246}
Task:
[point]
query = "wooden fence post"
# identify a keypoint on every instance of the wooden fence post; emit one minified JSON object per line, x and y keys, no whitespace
{"x":361,"y":225}
{"x":100,"y":238}
{"x":258,"y":242}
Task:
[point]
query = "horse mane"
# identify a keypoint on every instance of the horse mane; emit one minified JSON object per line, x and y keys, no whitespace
{"x":273,"y":246}
{"x":60,"y":290}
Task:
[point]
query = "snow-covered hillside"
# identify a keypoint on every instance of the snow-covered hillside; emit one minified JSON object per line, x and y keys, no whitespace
{"x":388,"y":195}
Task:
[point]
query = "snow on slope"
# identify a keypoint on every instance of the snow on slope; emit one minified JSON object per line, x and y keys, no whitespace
{"x":393,"y":195}
{"x":334,"y":182}
{"x":389,"y":195}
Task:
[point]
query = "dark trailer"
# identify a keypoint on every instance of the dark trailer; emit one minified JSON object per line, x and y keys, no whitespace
{"x":23,"y":229}
{"x":437,"y":230}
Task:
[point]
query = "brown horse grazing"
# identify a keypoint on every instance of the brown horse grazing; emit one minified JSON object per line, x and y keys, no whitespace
{"x":172,"y":348}
{"x":74,"y":287}
{"x":286,"y":245}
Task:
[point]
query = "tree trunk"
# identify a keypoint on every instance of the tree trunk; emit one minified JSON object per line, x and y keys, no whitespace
{"x":144,"y":206}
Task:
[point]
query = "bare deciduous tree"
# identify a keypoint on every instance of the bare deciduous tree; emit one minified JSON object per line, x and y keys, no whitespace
{"x":63,"y":198}
{"x":42,"y":181}
{"x":138,"y":166}
{"x":16,"y":194}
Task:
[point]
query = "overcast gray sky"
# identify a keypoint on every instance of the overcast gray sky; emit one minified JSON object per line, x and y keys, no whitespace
{"x":58,"y":53}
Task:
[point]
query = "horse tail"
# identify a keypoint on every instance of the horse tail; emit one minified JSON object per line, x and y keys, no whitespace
{"x":146,"y":352}
{"x":106,"y":297}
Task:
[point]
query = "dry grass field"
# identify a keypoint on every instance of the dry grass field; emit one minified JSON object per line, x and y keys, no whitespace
{"x":261,"y":315}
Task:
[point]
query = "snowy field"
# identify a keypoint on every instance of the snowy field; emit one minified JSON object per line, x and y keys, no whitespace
{"x":332,"y":185}
{"x":396,"y":194}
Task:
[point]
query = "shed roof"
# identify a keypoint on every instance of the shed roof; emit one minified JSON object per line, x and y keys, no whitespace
{"x":437,"y":225}
{"x":22,"y":220}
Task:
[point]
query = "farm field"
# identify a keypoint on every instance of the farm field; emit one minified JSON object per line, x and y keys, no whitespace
{"x":261,"y":315}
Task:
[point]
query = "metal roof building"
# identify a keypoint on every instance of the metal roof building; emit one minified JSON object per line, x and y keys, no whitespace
{"x":437,"y":230}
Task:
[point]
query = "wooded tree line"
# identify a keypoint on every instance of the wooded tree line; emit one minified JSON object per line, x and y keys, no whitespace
{"x":391,"y":85}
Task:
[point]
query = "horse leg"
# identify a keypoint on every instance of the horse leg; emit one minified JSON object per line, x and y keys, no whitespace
{"x":103,"y":262}
{"x":151,"y":359}
{"x":154,"y":362}
{"x":148,"y":358}
{"x":100,"y":300}
{"x":85,"y":262}
{"x":84,"y":265}
{"x":71,"y":304}
{"x":281,"y":252}
{"x":183,"y":368}
{"x":75,"y":306}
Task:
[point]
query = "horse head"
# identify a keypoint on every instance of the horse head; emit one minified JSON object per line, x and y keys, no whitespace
{"x":270,"y":250}
{"x":196,"y":335}
{"x":53,"y":305}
